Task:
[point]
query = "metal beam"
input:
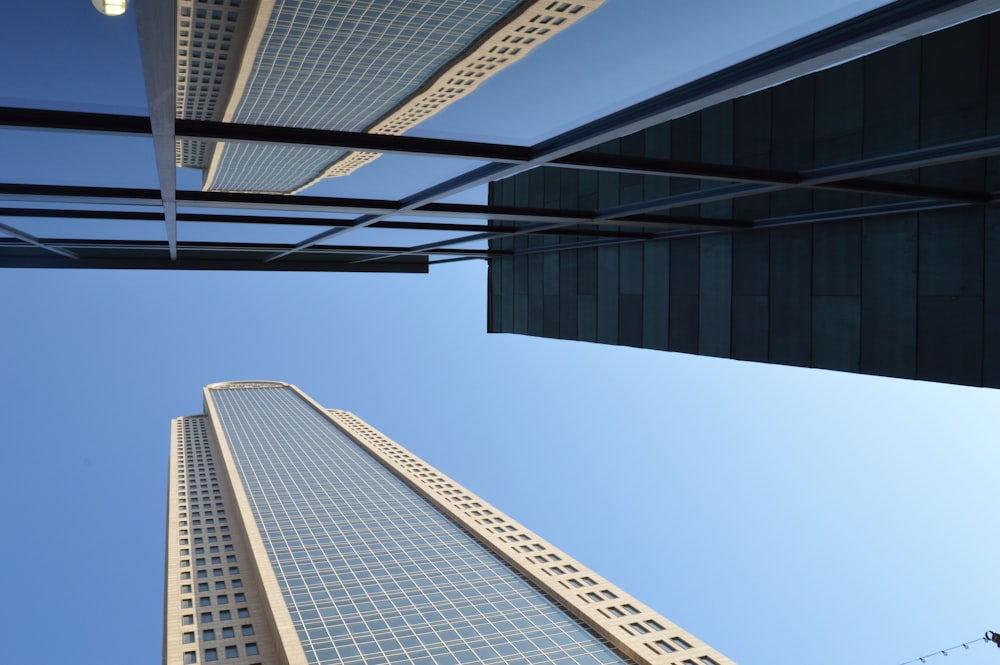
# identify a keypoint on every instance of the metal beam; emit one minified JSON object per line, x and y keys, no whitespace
{"x":875,"y":29}
{"x":156,"y":21}
{"x":309,"y":205}
{"x":319,"y":138}
{"x":32,"y":240}
{"x":884,"y":210}
{"x":846,"y":177}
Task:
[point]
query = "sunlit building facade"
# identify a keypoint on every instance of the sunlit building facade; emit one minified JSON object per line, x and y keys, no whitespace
{"x":298,"y":534}
{"x":347,"y":65}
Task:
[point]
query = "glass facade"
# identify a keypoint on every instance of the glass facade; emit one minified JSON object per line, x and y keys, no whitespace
{"x":370,"y":571}
{"x":331,"y":64}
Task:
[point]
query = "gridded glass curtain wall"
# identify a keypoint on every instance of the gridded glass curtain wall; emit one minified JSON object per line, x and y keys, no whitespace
{"x":347,"y":65}
{"x":349,"y":550}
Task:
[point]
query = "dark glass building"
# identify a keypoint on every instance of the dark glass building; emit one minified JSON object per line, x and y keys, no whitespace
{"x":847,"y":223}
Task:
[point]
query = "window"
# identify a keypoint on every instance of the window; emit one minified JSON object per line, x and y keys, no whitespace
{"x":630,"y":609}
{"x":187,"y":619}
{"x":243,"y":613}
{"x":211,"y":654}
{"x":225,"y":615}
{"x":615,"y":611}
{"x":186,"y":603}
{"x":208,"y":635}
{"x":609,"y":595}
{"x":666,"y":646}
{"x":187,"y":638}
{"x":247,"y":629}
{"x":206,"y":617}
{"x":232,"y":651}
{"x":707,"y":660}
{"x":228,"y":632}
{"x":240,"y":597}
{"x":237,"y":583}
{"x":205,"y":601}
{"x":593,"y":596}
{"x":220,"y":585}
{"x":190,"y":657}
{"x":588,"y":580}
{"x":654,"y":625}
{"x":234,"y":570}
{"x":203,"y":586}
{"x":222,"y":600}
{"x":681,"y":643}
{"x":252,"y":649}
{"x":639,"y":628}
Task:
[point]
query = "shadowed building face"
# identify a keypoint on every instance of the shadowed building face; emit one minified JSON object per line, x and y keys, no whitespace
{"x":872,"y":243}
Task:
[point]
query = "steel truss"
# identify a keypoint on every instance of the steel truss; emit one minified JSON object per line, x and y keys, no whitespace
{"x":633,"y":222}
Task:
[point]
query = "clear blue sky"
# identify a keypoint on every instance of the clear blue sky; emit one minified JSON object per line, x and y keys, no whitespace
{"x":780,"y":514}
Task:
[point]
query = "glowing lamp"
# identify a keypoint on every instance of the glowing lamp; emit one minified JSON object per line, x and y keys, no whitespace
{"x":111,"y":7}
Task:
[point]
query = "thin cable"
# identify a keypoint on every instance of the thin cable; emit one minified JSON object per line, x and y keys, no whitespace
{"x":944,"y":652}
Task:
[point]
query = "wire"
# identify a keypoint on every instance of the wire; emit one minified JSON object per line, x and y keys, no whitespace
{"x":944,"y":652}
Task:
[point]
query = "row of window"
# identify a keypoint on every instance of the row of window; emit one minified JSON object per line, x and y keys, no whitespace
{"x":212,"y":539}
{"x":212,"y":654}
{"x":213,"y":549}
{"x":209,"y":634}
{"x":670,"y":648}
{"x":615,"y":611}
{"x":209,"y":617}
{"x":705,"y":660}
{"x":203,"y":586}
{"x":455,"y":495}
{"x":206,"y":601}
{"x":593,"y":596}
{"x":644,"y":627}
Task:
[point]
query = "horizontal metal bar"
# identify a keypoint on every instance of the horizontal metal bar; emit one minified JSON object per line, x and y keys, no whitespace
{"x":85,"y":245}
{"x":297,"y":204}
{"x":695,"y":197}
{"x":988,"y":146}
{"x":32,"y":240}
{"x":75,"y":194}
{"x":877,"y":28}
{"x":323,"y":138}
{"x":67,"y":213}
{"x":184,"y":263}
{"x":74,"y":121}
{"x":884,"y":210}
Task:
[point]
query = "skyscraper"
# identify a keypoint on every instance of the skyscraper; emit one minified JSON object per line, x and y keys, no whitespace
{"x":843,"y":220}
{"x":379,"y":67}
{"x":297,"y":534}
